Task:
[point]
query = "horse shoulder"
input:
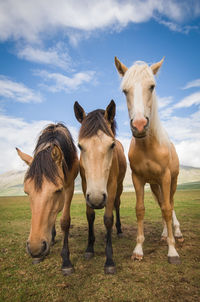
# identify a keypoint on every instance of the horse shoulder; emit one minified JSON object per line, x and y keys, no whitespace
{"x":121,"y":157}
{"x":72,"y":173}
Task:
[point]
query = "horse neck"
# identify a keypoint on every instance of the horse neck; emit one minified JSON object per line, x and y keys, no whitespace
{"x":156,"y":130}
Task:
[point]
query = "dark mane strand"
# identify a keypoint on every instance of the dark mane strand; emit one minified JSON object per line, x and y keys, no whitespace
{"x":95,"y":121}
{"x":43,"y":164}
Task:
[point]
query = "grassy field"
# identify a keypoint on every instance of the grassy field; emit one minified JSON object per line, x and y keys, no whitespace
{"x":151,"y":280}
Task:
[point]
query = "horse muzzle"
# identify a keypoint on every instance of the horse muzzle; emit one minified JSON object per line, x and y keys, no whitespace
{"x":96,"y":203}
{"x":138,"y":133}
{"x":39,"y":251}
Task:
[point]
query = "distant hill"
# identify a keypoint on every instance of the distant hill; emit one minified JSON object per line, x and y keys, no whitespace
{"x":11,"y":183}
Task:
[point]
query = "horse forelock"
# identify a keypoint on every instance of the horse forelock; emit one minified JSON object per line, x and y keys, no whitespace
{"x":138,"y":72}
{"x":94,"y":122}
{"x":43,"y":163}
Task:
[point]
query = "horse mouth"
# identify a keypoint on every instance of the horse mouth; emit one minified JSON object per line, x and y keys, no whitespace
{"x":139,"y":135}
{"x":96,"y":207}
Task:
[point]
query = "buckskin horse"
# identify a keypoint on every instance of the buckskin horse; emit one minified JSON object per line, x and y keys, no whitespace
{"x":102,"y":169}
{"x":153,"y":158}
{"x":49,"y":183}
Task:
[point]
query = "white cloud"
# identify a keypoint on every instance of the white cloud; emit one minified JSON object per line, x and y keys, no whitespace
{"x":15,"y":132}
{"x":188,"y":101}
{"x":56,"y":56}
{"x":31,"y":19}
{"x":192,"y":84}
{"x":177,"y":27}
{"x":18,"y":91}
{"x":58,"y":82}
{"x":188,"y":152}
{"x":164,"y":101}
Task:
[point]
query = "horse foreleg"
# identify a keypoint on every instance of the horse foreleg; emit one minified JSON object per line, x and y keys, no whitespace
{"x":166,"y":207}
{"x":109,"y":267}
{"x":90,"y":213}
{"x":67,"y":267}
{"x":140,"y":211}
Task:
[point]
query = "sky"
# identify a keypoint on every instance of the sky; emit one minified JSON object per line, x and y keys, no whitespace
{"x":53,"y":53}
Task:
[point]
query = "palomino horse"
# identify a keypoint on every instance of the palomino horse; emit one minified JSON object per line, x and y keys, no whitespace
{"x":152,"y":156}
{"x":102,"y":169}
{"x":49,"y":182}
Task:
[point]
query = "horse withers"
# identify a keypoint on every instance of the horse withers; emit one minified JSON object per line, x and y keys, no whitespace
{"x":153,"y":158}
{"x":102,"y":169}
{"x":49,"y":183}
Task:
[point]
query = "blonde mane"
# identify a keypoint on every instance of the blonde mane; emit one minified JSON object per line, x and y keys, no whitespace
{"x":139,"y":72}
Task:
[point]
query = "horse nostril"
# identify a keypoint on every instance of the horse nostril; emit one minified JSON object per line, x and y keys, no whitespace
{"x":44,"y":246}
{"x":147,"y":124}
{"x":88,"y":197}
{"x":104,"y":197}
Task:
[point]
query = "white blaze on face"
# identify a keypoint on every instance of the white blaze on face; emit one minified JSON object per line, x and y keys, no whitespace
{"x":138,"y":104}
{"x":96,"y":159}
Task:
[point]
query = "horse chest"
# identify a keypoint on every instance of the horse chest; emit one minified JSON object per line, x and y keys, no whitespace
{"x":147,"y":169}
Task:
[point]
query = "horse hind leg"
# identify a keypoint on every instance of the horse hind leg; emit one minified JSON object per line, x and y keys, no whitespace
{"x":177,"y":231}
{"x":156,"y":190}
{"x":117,"y":210}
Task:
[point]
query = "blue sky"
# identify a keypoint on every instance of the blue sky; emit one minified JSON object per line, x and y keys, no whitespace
{"x":53,"y":53}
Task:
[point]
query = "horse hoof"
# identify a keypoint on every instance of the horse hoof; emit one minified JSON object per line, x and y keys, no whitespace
{"x":37,"y":260}
{"x":137,"y":257}
{"x":180,"y":239}
{"x":163,"y":238}
{"x":67,"y":270}
{"x":109,"y":270}
{"x":89,"y":255}
{"x":120,"y":235}
{"x":174,"y":260}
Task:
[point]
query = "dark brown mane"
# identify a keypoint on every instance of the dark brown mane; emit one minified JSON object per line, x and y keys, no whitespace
{"x":95,"y":121}
{"x":43,"y":163}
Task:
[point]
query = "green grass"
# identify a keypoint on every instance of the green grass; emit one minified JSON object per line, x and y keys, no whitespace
{"x":189,"y":186}
{"x":153,"y":279}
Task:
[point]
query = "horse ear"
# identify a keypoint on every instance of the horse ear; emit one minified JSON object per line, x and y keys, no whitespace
{"x":120,"y":67}
{"x":56,"y":154}
{"x":109,"y":114}
{"x":156,"y":66}
{"x":25,"y":157}
{"x":79,"y":112}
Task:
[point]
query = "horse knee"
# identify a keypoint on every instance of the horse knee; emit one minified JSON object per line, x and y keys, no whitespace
{"x":140,"y":211}
{"x":65,"y":224}
{"x":167,"y":213}
{"x":108,"y":221}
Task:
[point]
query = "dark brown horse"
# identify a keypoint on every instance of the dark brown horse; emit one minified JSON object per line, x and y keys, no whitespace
{"x":49,"y":182}
{"x":102,"y":168}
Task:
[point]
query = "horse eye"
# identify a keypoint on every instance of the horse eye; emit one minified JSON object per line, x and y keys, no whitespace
{"x":113,"y":145}
{"x":59,"y":190}
{"x":80,"y":147}
{"x":151,"y":88}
